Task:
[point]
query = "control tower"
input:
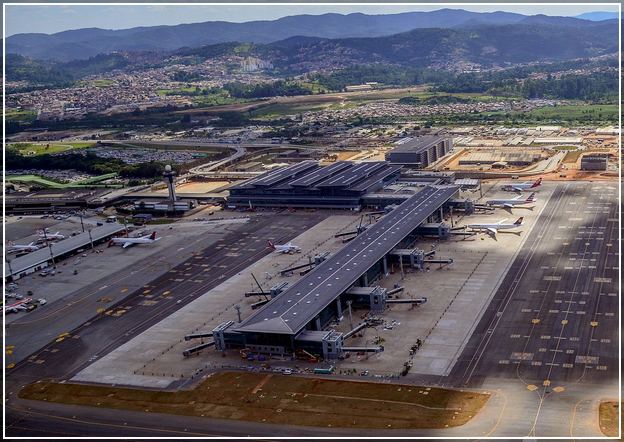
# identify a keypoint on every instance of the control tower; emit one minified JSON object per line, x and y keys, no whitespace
{"x":169,"y":177}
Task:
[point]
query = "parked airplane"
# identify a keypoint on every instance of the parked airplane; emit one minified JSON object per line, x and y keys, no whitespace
{"x":16,"y":306}
{"x":127,"y":242}
{"x":285,"y":248}
{"x":493,"y":228}
{"x":521,"y":187}
{"x":50,"y":236}
{"x":509,"y":203}
{"x":22,"y":247}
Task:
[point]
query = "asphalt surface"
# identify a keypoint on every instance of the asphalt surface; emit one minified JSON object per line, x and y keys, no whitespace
{"x":554,"y":319}
{"x":552,"y":323}
{"x":62,"y":358}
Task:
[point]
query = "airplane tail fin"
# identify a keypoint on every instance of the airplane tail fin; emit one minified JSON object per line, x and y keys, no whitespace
{"x":531,"y":198}
{"x":152,"y":236}
{"x":271,"y":245}
{"x":537,"y":183}
{"x":110,"y":243}
{"x":519,"y":221}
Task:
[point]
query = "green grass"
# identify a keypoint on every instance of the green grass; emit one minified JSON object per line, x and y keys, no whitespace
{"x":565,"y":147}
{"x":568,"y":113}
{"x":43,"y":148}
{"x":46,"y":182}
{"x":25,"y":116}
{"x":177,"y":91}
{"x":578,"y":112}
{"x":102,"y":83}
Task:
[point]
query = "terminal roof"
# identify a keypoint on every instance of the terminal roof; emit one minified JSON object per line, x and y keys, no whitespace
{"x":293,"y":309}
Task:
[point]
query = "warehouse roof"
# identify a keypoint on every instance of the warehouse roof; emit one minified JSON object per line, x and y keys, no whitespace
{"x":33,"y":259}
{"x":417,"y":144}
{"x":345,"y":175}
{"x":289,"y":312}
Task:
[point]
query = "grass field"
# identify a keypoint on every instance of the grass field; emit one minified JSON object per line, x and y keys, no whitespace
{"x":25,"y":116}
{"x":42,"y":148}
{"x":280,"y":399}
{"x":177,"y":91}
{"x":565,"y":147}
{"x":559,"y":114}
{"x":352,"y":99}
{"x":36,"y":179}
{"x":608,"y":415}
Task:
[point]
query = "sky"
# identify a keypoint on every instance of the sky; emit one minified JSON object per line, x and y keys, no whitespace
{"x":49,"y":19}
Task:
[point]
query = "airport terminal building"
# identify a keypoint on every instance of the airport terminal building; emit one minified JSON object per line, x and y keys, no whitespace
{"x":340,"y":185}
{"x":296,"y":319}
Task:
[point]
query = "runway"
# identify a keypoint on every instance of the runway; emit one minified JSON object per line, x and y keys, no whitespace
{"x":555,"y":317}
{"x":549,"y":338}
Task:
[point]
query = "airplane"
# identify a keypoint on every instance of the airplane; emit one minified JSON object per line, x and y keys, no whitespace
{"x":285,"y":248}
{"x":510,"y":203}
{"x":50,"y":236}
{"x":127,"y":242}
{"x":16,"y":306}
{"x":521,"y":187}
{"x":493,"y":228}
{"x":22,"y":247}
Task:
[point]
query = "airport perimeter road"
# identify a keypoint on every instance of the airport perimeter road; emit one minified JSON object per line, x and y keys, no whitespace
{"x":552,"y":327}
{"x":153,"y":301}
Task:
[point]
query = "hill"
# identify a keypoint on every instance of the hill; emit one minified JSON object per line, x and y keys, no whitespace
{"x":89,"y":42}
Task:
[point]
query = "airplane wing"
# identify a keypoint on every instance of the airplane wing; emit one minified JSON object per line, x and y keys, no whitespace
{"x":508,"y":206}
{"x":492,"y":231}
{"x":126,"y":245}
{"x":502,"y":221}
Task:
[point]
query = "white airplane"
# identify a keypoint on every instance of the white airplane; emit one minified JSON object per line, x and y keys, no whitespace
{"x":285,"y":248}
{"x":50,"y":236}
{"x":16,"y":306}
{"x":493,"y":228}
{"x":22,"y":247}
{"x":509,"y":203}
{"x":127,"y":242}
{"x":521,"y":187}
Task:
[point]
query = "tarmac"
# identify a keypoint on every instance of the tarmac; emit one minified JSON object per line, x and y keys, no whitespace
{"x":545,"y":346}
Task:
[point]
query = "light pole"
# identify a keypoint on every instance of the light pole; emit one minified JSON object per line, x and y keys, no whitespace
{"x":51,"y":253}
{"x":81,"y":222}
{"x":90,"y":238}
{"x":6,"y":258}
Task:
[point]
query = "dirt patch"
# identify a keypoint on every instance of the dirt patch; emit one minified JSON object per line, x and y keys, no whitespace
{"x":282,"y":399}
{"x":608,"y":415}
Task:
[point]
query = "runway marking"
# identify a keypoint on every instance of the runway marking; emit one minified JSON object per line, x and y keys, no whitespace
{"x":602,"y":280}
{"x":552,"y":278}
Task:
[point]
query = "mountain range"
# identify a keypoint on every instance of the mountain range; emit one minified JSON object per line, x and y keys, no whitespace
{"x":89,"y":42}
